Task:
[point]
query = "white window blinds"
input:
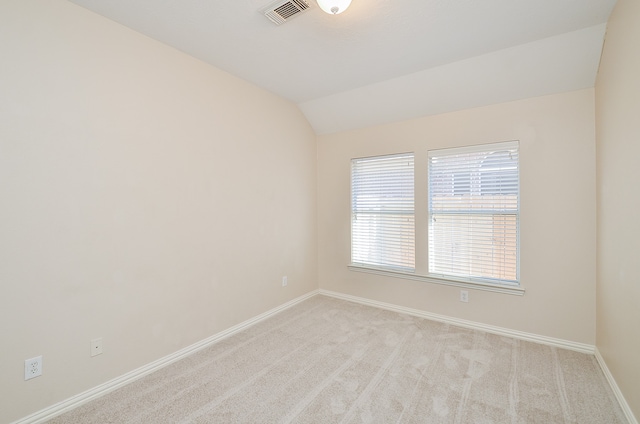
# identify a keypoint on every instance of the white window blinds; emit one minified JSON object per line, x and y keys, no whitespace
{"x":474,"y":212}
{"x":382,"y":212}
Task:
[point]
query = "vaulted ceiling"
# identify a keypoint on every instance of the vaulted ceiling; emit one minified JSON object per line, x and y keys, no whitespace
{"x":385,"y":60}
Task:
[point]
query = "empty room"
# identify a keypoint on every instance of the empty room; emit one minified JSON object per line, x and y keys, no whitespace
{"x":319,"y":211}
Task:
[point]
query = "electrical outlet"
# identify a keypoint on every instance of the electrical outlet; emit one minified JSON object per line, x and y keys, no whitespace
{"x":96,"y":346}
{"x":464,"y":296}
{"x":284,"y":281}
{"x":32,"y":367}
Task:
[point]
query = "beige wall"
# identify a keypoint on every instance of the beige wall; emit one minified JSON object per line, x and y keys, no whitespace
{"x":146,"y":197}
{"x":557,"y":158}
{"x":618,"y":170}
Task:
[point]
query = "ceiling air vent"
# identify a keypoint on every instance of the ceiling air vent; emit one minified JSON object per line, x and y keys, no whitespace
{"x":282,"y":11}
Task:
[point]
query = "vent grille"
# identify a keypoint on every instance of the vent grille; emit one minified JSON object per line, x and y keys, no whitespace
{"x":280,"y":12}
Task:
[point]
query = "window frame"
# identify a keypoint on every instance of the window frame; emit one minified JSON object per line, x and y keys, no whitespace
{"x":393,"y":261}
{"x":421,"y":213}
{"x":487,"y":150}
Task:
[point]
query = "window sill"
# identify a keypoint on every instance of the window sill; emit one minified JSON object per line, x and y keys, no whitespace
{"x":496,"y":288}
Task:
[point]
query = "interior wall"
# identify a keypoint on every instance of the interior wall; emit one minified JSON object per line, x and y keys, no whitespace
{"x":147,"y":198}
{"x":557,"y":217}
{"x":618,"y":173}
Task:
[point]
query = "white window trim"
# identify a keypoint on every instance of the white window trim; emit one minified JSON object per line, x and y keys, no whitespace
{"x":448,"y":281}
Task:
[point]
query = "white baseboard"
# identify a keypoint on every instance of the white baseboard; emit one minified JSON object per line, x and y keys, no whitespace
{"x":616,"y":390}
{"x":564,"y":344}
{"x":101,"y":390}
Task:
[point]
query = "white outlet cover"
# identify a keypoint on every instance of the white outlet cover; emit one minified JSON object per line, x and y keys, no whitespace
{"x":284,"y":281}
{"x":96,"y":347}
{"x":464,"y":296}
{"x":32,"y":367}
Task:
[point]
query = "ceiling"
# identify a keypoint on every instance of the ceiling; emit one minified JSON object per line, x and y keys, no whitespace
{"x":385,"y":60}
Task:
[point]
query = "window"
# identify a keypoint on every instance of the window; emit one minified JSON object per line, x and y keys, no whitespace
{"x":474,"y":213}
{"x":382,"y":212}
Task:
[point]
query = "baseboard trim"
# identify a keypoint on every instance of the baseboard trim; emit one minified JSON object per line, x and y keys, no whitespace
{"x":616,"y":390}
{"x":564,"y":344}
{"x":101,"y":390}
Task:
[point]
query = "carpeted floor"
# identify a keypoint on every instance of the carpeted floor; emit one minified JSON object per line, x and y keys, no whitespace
{"x":331,"y":361}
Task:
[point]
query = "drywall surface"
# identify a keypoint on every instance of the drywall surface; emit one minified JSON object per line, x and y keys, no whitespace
{"x":618,"y":171}
{"x":557,"y":64}
{"x":147,"y":198}
{"x":557,"y":216}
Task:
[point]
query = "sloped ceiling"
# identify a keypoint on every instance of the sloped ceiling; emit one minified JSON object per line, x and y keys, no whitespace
{"x":385,"y":60}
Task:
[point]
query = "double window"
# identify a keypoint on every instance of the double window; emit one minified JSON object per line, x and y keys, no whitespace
{"x":473,"y":213}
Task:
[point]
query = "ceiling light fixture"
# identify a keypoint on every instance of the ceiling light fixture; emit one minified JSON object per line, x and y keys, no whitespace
{"x":334,"y":7}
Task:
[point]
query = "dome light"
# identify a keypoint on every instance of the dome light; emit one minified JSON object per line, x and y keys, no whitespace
{"x":334,"y":7}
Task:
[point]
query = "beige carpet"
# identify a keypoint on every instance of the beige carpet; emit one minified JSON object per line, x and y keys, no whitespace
{"x":331,"y":361}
